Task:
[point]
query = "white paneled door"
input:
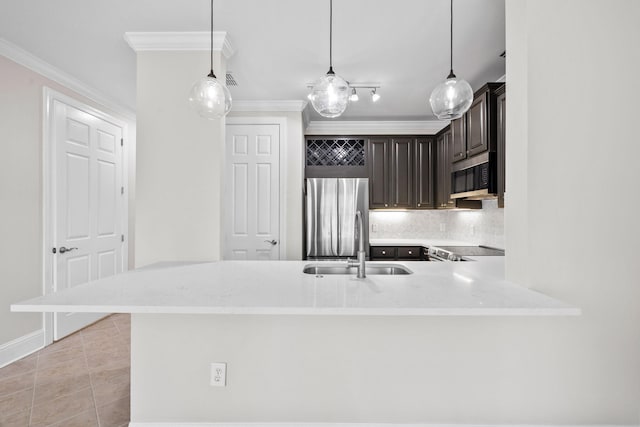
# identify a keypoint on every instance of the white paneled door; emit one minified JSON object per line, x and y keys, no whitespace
{"x":87,"y":206}
{"x":252,"y":192}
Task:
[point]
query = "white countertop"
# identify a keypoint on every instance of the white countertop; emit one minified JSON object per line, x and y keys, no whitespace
{"x":280,"y":288}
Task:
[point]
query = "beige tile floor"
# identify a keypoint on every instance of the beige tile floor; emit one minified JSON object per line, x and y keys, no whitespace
{"x":79,"y":381}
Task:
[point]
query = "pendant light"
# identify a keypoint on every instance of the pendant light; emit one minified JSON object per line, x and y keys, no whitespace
{"x":453,"y":97}
{"x":330,"y":94}
{"x":210,"y":98}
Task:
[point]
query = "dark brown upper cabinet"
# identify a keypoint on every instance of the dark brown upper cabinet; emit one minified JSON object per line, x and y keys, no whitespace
{"x":443,"y":170}
{"x":477,"y":139}
{"x":425,"y":173}
{"x":501,"y":113}
{"x":458,"y":146}
{"x":476,"y":131}
{"x":443,"y":167}
{"x":335,"y":157}
{"x":379,"y":176}
{"x":401,"y":172}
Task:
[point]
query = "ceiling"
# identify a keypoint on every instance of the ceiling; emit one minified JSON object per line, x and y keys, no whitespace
{"x":281,"y":45}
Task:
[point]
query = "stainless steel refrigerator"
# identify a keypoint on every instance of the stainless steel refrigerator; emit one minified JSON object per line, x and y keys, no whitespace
{"x":331,"y":205}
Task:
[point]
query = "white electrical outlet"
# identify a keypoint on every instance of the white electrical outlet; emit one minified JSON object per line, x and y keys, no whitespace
{"x":473,"y":229}
{"x":218,"y":375}
{"x":443,"y":227}
{"x":374,"y":228}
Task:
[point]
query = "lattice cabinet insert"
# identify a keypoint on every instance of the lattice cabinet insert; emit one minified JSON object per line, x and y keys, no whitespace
{"x":336,"y":152}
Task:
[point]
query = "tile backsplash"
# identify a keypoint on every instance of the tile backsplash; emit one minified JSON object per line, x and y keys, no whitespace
{"x":482,"y":227}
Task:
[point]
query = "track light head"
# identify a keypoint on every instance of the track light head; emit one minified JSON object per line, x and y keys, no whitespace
{"x":354,"y":95}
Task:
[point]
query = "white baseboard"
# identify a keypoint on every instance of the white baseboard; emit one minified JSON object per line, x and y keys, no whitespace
{"x":21,"y":347}
{"x":133,"y":424}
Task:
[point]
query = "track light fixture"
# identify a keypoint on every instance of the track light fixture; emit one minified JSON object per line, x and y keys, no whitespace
{"x":372,"y":88}
{"x":354,"y":95}
{"x":375,"y":97}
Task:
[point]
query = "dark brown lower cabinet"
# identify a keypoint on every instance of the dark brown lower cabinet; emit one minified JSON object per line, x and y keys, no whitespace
{"x":402,"y":253}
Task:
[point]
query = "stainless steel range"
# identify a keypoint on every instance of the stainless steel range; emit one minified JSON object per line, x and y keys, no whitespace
{"x":458,"y":253}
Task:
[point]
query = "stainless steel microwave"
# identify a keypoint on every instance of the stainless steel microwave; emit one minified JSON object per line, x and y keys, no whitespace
{"x":475,"y":182}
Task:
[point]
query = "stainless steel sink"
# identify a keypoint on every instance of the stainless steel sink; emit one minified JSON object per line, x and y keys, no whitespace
{"x":375,"y":269}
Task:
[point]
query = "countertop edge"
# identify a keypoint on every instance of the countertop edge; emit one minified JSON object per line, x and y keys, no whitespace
{"x":304,"y":311}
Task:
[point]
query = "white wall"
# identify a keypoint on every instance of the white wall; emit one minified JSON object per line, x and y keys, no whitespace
{"x":572,"y":150}
{"x":476,"y":226}
{"x":21,"y":192}
{"x":179,"y":162}
{"x":20,"y":196}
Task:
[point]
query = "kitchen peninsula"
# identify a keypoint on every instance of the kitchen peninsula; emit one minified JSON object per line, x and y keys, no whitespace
{"x":281,"y":288}
{"x":293,"y":340}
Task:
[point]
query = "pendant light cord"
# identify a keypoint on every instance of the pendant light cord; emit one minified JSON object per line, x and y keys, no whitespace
{"x":330,"y":37}
{"x":451,"y":75}
{"x":211,"y":44}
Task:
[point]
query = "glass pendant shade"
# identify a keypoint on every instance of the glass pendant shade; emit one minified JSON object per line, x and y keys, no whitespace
{"x":210,"y":98}
{"x":330,"y":95}
{"x":451,"y":98}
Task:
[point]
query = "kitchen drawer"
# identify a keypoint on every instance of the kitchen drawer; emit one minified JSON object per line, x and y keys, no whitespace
{"x":383,"y":252}
{"x":409,"y":252}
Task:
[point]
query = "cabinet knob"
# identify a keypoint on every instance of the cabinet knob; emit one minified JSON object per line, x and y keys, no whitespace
{"x":384,"y":252}
{"x":418,"y":204}
{"x":395,"y":204}
{"x":385,"y":205}
{"x":410,"y":252}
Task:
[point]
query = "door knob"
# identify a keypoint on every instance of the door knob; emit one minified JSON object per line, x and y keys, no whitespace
{"x":273,"y":242}
{"x":63,"y":249}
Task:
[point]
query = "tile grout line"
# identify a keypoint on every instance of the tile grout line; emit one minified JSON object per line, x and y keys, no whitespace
{"x":93,"y":393}
{"x":59,"y":422}
{"x":84,"y":347}
{"x":33,"y":394}
{"x":117,"y":327}
{"x":129,"y":394}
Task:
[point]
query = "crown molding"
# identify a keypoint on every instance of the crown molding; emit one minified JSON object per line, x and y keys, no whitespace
{"x":425,"y":127}
{"x":282,"y":106}
{"x":37,"y":65}
{"x":186,"y":40}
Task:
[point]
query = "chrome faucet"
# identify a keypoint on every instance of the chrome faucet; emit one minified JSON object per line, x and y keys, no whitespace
{"x":360,"y":262}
